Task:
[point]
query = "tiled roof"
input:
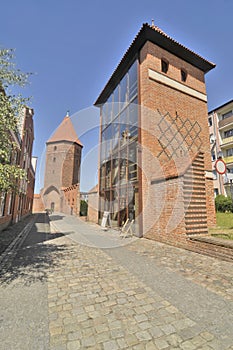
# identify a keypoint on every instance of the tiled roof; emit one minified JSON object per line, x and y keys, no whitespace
{"x":157,"y":29}
{"x":65,"y":132}
{"x":159,"y":37}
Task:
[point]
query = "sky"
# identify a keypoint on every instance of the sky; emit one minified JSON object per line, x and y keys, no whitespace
{"x":73,"y":46}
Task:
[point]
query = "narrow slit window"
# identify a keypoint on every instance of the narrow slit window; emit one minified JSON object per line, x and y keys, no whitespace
{"x":183,"y":75}
{"x":164,"y":66}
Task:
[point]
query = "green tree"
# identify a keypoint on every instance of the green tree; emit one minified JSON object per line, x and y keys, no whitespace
{"x":223,"y":204}
{"x":11,"y":106}
{"x":83,"y":208}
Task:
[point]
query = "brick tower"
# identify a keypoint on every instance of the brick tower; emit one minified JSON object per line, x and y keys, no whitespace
{"x":62,"y":169}
{"x":155,"y":165}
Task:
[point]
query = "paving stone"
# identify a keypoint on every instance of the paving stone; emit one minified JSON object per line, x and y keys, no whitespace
{"x":131,"y":339}
{"x":168,"y":329}
{"x":207,"y":336}
{"x":74,"y":335}
{"x":73,"y":345}
{"x":88,"y":341}
{"x":144,"y":325}
{"x":122,"y":343}
{"x":151,"y":346}
{"x":143,"y":335}
{"x":174,"y":340}
{"x":141,"y":318}
{"x":110,"y":345}
{"x":188,"y":345}
{"x":156,"y":332}
{"x":161,"y":343}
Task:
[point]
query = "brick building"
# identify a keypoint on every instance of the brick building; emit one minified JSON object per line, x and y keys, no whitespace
{"x":93,"y":198}
{"x":14,"y":207}
{"x":62,"y":170}
{"x":155,"y":164}
{"x":221,"y":143}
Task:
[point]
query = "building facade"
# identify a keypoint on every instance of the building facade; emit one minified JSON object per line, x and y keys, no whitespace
{"x":221,"y":142}
{"x":155,"y":164}
{"x":15,"y":206}
{"x":62,"y":170}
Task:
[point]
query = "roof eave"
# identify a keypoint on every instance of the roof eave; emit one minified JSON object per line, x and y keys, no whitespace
{"x":147,"y":33}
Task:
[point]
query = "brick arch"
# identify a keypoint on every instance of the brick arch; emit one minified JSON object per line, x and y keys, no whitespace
{"x":50,"y":189}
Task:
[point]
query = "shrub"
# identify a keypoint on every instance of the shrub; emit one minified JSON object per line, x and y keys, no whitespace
{"x":83,"y":208}
{"x":223,"y":204}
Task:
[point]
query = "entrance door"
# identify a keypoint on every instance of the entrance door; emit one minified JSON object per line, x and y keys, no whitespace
{"x":52,"y":207}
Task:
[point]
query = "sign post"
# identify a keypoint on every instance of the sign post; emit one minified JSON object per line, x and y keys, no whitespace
{"x":106,"y":221}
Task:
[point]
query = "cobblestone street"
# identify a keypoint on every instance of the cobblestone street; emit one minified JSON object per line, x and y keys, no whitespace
{"x":89,"y":289}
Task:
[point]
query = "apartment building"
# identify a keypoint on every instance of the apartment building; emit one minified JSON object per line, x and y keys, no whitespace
{"x":221,"y":142}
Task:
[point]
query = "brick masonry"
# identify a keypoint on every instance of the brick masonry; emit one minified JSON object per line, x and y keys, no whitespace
{"x":93,"y":203}
{"x":166,"y":216}
{"x":62,"y":176}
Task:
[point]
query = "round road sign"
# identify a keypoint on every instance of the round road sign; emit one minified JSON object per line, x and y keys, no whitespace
{"x":220,"y":166}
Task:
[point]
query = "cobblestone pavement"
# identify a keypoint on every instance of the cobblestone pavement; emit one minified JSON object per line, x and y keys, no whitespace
{"x":134,"y":294}
{"x":211,"y":273}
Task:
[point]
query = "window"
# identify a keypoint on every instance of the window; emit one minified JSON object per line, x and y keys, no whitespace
{"x":210,"y":121}
{"x":183,"y":74}
{"x":213,"y":156}
{"x":9,"y":204}
{"x":227,"y":115}
{"x":228,"y":133}
{"x":229,"y":152}
{"x":55,"y":148}
{"x":54,"y":159}
{"x":2,"y":203}
{"x":212,"y":138}
{"x":164,"y":66}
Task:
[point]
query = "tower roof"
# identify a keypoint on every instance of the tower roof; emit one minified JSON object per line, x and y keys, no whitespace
{"x":155,"y":35}
{"x":65,"y":132}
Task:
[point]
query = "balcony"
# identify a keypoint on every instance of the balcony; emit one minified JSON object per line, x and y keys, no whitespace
{"x":225,"y":122}
{"x":228,"y":160}
{"x":227,"y":141}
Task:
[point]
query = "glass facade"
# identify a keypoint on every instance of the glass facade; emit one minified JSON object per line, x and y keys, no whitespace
{"x":118,"y":150}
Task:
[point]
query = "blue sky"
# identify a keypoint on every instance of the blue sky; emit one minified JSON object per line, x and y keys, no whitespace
{"x":73,"y":47}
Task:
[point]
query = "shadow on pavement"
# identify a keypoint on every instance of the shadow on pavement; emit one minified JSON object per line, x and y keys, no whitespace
{"x":56,"y":217}
{"x":36,"y":256}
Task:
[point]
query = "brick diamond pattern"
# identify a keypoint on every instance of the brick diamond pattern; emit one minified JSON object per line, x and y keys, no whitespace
{"x":178,"y":136}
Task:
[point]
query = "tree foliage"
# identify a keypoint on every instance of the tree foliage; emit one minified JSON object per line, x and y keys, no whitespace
{"x":223,"y":204}
{"x":11,"y":106}
{"x":83,"y":208}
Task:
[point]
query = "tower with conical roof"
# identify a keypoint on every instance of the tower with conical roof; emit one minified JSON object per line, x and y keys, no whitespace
{"x":62,"y":168}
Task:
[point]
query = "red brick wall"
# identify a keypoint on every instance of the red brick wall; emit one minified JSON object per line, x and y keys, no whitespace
{"x":38,"y":205}
{"x":93,"y":202}
{"x":71,"y":205}
{"x":62,"y":171}
{"x":71,"y":166}
{"x":163,"y":202}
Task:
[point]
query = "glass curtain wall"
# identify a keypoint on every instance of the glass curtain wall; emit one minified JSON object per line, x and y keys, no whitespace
{"x":118,"y":153}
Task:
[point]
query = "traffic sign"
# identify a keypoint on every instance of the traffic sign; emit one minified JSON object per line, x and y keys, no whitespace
{"x":220,"y":166}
